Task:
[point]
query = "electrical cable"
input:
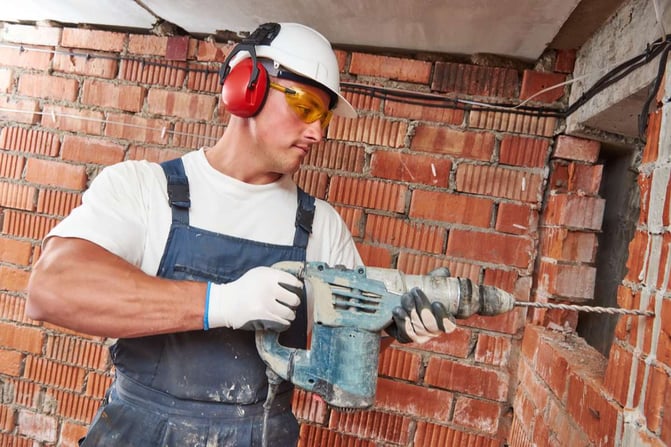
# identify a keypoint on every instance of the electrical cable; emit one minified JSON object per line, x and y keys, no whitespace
{"x":643,"y":117}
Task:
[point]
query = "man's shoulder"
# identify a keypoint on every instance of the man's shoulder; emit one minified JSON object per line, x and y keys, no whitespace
{"x":133,"y":168}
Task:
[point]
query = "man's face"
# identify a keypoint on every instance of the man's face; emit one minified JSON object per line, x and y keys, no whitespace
{"x":283,"y":135}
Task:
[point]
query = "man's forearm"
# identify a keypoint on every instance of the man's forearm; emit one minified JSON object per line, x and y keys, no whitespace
{"x":81,"y":286}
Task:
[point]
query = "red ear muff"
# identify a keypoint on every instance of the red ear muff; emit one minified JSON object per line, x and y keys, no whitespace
{"x":238,"y":97}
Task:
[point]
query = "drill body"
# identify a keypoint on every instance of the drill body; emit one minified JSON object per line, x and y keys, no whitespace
{"x":350,"y":308}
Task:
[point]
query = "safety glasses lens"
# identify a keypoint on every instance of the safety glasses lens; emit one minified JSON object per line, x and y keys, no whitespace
{"x":307,"y":106}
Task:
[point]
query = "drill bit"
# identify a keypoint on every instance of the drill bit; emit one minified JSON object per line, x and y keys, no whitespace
{"x":581,"y":308}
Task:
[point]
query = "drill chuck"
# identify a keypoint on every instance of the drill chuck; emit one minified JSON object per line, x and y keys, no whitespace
{"x":460,"y":296}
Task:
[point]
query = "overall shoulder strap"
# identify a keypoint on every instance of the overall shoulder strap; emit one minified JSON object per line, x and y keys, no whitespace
{"x":305,"y":214}
{"x":178,"y":190}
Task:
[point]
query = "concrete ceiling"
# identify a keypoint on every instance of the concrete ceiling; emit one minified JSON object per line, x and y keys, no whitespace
{"x":520,"y":29}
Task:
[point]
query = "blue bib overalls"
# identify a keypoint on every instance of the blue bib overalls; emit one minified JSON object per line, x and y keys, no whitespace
{"x":201,"y":388}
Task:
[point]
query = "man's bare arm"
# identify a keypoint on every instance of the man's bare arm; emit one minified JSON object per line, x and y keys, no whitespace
{"x":83,"y":287}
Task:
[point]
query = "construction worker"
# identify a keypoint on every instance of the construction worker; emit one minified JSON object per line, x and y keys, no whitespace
{"x":173,"y":259}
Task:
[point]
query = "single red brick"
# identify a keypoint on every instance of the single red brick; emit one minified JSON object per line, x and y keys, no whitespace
{"x":516,"y":218}
{"x":493,"y":350}
{"x":458,"y":343}
{"x":490,"y":247}
{"x":212,"y":51}
{"x":13,"y":279}
{"x":533,"y":386}
{"x":10,"y":364}
{"x":155,"y":154}
{"x":390,"y":67}
{"x":309,"y":407}
{"x":15,"y":251}
{"x":368,"y":129}
{"x":336,"y":155}
{"x":406,"y":398}
{"x":399,"y":363}
{"x":531,"y":342}
{"x":73,"y":119}
{"x":592,"y":410}
{"x":134,"y":128}
{"x":147,"y":45}
{"x":38,"y":426}
{"x":565,"y":61}
{"x":566,"y":431}
{"x":574,"y":211}
{"x":19,"y":110}
{"x":584,"y":179}
{"x":524,"y":151}
{"x":373,"y":194}
{"x":6,"y":80}
{"x":181,"y":104}
{"x":442,"y":140}
{"x":106,"y":94}
{"x":475,"y":80}
{"x":94,"y":39}
{"x":55,"y":173}
{"x":71,"y":433}
{"x":29,"y":141}
{"x":401,"y":233}
{"x":32,"y":35}
{"x":19,"y":57}
{"x":651,"y":148}
{"x":499,"y":181}
{"x":563,"y":244}
{"x":636,"y":261}
{"x":21,"y":338}
{"x":434,"y":435}
{"x":477,"y":414}
{"x":560,"y":280}
{"x":45,"y":86}
{"x":47,"y":372}
{"x":664,"y":347}
{"x":508,"y":322}
{"x":374,"y":256}
{"x":488,"y":383}
{"x":104,"y":67}
{"x":615,"y":381}
{"x":90,"y":150}
{"x":445,"y":207}
{"x":424,"y":112}
{"x":374,"y":424}
{"x":552,"y":368}
{"x":411,"y":168}
{"x":574,"y":148}
{"x":533,"y":82}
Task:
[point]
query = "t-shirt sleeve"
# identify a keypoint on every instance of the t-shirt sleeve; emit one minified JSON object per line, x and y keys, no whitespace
{"x":331,"y":241}
{"x":113,"y":213}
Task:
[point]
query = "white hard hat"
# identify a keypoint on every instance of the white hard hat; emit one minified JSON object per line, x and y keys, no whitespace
{"x":301,"y":50}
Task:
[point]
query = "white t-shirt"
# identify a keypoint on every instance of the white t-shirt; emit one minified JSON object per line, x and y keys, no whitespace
{"x":126,"y":211}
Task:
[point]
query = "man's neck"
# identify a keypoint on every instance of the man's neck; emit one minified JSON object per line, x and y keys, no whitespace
{"x":235,"y":158}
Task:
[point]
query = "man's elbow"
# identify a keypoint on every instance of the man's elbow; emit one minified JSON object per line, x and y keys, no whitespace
{"x":37,"y":302}
{"x":45,"y":289}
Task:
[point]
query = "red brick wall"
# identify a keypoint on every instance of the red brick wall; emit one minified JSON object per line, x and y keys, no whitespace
{"x":419,"y":187}
{"x":568,"y":394}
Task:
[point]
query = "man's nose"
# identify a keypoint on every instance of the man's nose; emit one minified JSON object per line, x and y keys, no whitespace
{"x":315,"y":132}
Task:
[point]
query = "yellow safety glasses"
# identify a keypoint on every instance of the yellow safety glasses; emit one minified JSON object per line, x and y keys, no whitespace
{"x":307,"y":106}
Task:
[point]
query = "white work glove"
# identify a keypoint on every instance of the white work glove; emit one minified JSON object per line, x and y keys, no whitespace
{"x":417,"y":320}
{"x":262,"y":298}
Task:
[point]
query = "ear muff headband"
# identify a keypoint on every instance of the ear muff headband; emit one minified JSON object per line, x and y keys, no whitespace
{"x":245,"y":86}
